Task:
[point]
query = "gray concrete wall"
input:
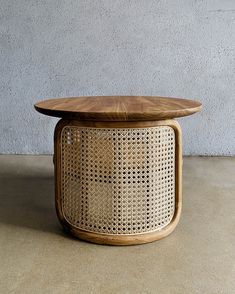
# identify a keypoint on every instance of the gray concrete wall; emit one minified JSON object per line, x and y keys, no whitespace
{"x":55,"y":48}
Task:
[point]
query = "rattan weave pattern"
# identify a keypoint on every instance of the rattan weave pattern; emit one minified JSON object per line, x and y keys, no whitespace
{"x":118,"y":181}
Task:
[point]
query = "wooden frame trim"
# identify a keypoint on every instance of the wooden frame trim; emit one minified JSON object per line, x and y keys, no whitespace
{"x":112,"y":239}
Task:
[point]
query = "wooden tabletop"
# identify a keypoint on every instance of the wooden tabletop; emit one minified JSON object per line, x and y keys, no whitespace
{"x":118,"y":108}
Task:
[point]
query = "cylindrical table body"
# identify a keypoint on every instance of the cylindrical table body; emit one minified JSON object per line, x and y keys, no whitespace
{"x":118,"y":183}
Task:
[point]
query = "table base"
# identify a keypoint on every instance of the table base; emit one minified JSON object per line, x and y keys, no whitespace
{"x":118,"y":183}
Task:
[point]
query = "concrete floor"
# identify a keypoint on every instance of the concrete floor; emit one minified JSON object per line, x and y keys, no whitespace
{"x":37,"y":257}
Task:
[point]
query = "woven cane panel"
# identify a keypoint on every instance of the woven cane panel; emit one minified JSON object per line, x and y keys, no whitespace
{"x":118,"y":181}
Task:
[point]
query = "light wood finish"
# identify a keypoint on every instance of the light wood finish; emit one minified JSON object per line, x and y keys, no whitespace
{"x":101,"y":238}
{"x":116,"y":112}
{"x":118,"y":108}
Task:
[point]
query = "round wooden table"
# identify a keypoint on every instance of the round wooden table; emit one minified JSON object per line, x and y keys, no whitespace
{"x":118,"y":166}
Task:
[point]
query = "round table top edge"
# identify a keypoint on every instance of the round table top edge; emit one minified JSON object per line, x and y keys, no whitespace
{"x":119,"y":116}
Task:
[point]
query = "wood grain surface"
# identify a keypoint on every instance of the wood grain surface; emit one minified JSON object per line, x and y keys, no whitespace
{"x":118,"y":108}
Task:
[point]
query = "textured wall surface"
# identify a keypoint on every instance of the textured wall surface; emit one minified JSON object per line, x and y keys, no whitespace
{"x":86,"y":47}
